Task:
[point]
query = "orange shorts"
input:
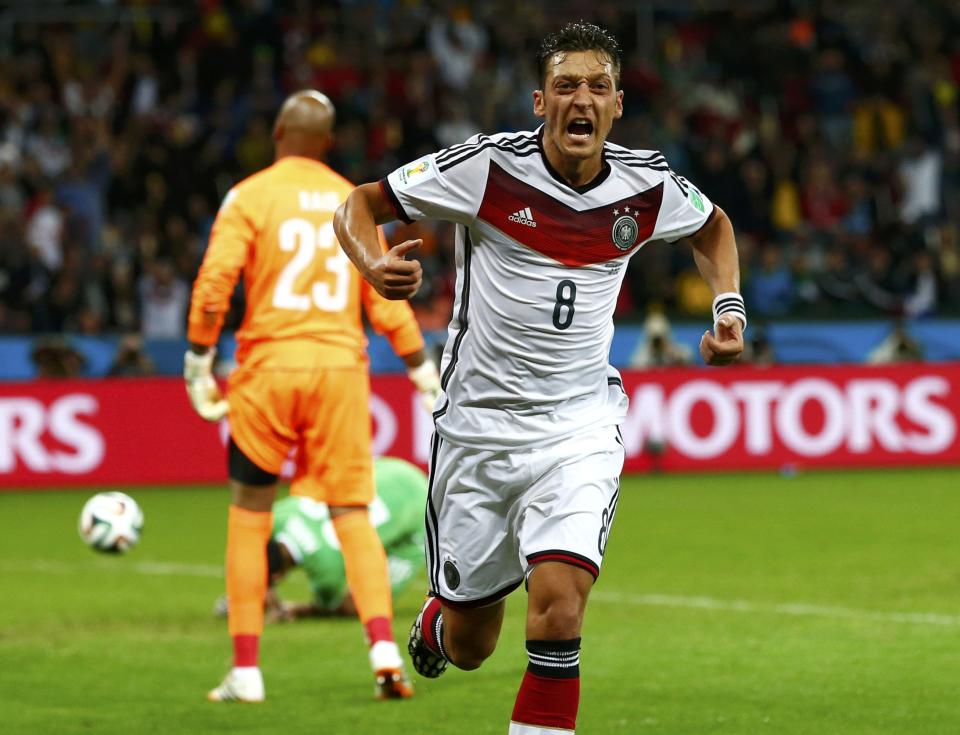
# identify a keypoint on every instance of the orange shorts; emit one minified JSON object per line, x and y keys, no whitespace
{"x":324,"y":413}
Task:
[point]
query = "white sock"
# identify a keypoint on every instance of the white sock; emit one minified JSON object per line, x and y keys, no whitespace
{"x":246,"y":673}
{"x":385,"y":655}
{"x":517,"y":728}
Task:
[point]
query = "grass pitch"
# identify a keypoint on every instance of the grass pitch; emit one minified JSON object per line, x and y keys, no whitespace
{"x":738,"y":604}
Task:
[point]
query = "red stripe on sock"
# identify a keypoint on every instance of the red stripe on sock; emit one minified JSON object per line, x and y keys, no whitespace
{"x":545,"y":702}
{"x":246,"y":650}
{"x":378,"y":629}
{"x":429,"y":624}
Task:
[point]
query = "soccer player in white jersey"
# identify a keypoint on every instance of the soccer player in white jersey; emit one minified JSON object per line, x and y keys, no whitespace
{"x":526,"y":455}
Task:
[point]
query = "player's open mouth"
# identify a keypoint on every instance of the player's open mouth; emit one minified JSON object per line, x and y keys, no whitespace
{"x":580,"y":129}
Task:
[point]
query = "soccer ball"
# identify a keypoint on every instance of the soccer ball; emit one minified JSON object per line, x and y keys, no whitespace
{"x":111,"y":522}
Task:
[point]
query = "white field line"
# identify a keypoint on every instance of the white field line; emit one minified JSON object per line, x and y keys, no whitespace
{"x":796,"y":609}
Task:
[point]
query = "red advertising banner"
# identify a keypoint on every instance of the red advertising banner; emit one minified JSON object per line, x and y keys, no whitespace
{"x":140,"y":431}
{"x":783,"y":417}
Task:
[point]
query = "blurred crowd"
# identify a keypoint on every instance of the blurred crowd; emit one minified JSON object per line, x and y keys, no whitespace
{"x":828,"y":131}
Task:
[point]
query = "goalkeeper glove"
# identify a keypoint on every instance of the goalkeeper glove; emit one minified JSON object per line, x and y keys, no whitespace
{"x":426,"y":378}
{"x":202,"y":389}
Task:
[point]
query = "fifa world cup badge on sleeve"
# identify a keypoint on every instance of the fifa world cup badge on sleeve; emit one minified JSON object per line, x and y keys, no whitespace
{"x":423,"y":169}
{"x":696,"y":200}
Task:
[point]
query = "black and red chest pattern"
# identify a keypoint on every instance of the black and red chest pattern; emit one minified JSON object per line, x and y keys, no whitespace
{"x":554,"y":229}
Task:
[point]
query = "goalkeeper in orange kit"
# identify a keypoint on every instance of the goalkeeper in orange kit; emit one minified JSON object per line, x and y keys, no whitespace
{"x":301,"y":380}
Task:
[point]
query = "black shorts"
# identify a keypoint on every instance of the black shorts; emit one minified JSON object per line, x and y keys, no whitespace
{"x":242,"y":469}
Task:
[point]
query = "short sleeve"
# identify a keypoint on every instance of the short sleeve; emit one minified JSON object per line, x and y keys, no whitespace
{"x":448,"y":185}
{"x":684,"y":209}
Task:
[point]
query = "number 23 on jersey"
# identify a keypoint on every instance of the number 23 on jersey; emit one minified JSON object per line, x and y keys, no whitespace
{"x":304,"y":238}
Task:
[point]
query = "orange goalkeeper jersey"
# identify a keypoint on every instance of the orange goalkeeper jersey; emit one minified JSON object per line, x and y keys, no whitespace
{"x":303,"y":294}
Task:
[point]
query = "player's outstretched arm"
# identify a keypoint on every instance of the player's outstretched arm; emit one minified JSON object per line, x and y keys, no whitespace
{"x":715,"y":253}
{"x":355,"y":223}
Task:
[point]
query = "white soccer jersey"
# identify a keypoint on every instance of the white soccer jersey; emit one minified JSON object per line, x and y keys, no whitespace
{"x":539,"y":267}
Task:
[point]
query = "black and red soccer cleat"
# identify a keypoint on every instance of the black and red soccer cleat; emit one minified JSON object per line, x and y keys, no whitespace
{"x":426,"y":660}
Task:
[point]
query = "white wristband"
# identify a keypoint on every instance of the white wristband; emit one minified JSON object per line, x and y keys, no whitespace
{"x":729,"y":303}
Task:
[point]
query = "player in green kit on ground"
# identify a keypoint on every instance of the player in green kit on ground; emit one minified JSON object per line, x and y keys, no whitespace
{"x":303,"y":536}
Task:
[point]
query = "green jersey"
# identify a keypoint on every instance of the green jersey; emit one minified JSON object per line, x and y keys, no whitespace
{"x":304,"y":527}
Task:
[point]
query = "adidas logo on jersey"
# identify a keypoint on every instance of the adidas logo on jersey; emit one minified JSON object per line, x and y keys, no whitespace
{"x":524,"y":217}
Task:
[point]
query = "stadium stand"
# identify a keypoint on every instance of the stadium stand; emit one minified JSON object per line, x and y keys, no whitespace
{"x":837,"y":157}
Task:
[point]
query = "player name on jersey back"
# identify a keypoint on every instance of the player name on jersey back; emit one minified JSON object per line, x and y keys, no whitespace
{"x":318,"y":201}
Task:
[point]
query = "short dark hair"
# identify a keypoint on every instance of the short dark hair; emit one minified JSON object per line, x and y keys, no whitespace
{"x":579,"y":36}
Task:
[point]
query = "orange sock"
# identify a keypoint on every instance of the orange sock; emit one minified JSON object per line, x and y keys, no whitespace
{"x":247,"y":536}
{"x":365,"y":563}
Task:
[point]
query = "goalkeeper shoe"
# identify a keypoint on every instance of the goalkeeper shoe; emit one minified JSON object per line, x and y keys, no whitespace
{"x":242,"y":684}
{"x":392,"y":684}
{"x":392,"y":681}
{"x":426,"y":661}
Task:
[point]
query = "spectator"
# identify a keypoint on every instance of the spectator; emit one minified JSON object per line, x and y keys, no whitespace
{"x":834,"y":93}
{"x":898,"y":346}
{"x":457,"y":44}
{"x":45,"y":230}
{"x":858,"y":216}
{"x":255,"y":148}
{"x":131,"y":360}
{"x":823,"y":203}
{"x":122,"y":299}
{"x":807,"y":297}
{"x":54,"y":358}
{"x":12,"y":198}
{"x":65,"y":298}
{"x":836,"y":283}
{"x":948,"y":256}
{"x":877,"y":282}
{"x":164,"y":298}
{"x":455,"y":126}
{"x":920,"y":174}
{"x":845,"y":137}
{"x":758,"y":350}
{"x":17,"y":267}
{"x":658,"y":348}
{"x":47,"y":146}
{"x":771,"y":286}
{"x":878,"y":121}
{"x":81,"y":194}
{"x":922,"y":298}
{"x":752,"y":209}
